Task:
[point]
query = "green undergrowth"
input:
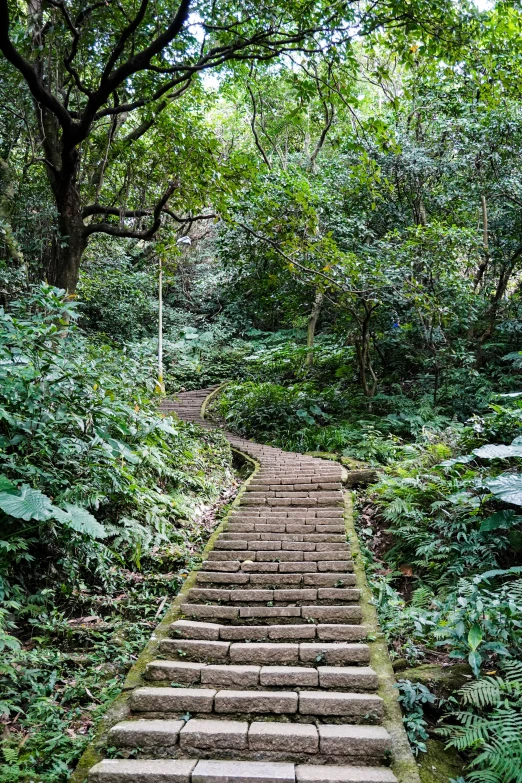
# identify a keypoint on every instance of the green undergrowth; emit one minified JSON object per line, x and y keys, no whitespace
{"x":105,"y":506}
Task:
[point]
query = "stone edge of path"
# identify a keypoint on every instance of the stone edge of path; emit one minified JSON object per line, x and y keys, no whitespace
{"x":403,"y":764}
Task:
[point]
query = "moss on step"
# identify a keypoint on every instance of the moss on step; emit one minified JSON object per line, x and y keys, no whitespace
{"x":439,"y":765}
{"x":323,"y":455}
{"x":354,"y":464}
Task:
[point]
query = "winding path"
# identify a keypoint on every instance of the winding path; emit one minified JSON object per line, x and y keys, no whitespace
{"x":266,"y":677}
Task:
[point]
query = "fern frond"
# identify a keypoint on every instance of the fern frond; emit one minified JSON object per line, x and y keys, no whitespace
{"x":482,"y":693}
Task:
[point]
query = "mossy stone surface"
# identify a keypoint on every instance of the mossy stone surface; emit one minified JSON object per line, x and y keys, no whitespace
{"x":323,"y":455}
{"x":439,"y":765}
{"x":354,"y":464}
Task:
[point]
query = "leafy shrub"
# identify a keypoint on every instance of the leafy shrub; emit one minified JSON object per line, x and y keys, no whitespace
{"x":88,"y":466}
{"x":412,"y":698}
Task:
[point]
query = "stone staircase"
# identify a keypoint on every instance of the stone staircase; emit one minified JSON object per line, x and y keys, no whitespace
{"x":266,"y":678}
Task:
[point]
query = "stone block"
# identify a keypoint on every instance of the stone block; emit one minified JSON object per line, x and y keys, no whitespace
{"x":356,"y":706}
{"x":291,"y":632}
{"x":146,"y":771}
{"x":230,"y":545}
{"x":221,"y":565}
{"x":341,"y":632}
{"x":210,"y":612}
{"x":295,"y":594}
{"x":225,"y":676}
{"x":329,"y":614}
{"x":335,"y":565}
{"x":214,"y":578}
{"x":209,"y":734}
{"x":283,"y":737}
{"x":212,"y":771}
{"x":358,"y":741}
{"x":347,"y":595}
{"x":189,"y":629}
{"x":146,"y":733}
{"x":353,"y":678}
{"x":264,"y":653}
{"x":288,"y":676}
{"x":276,"y":580}
{"x":269,"y":611}
{"x":330,"y":579}
{"x":299,"y":546}
{"x":195,"y":650}
{"x":246,"y":702}
{"x":242,"y":633}
{"x":197,"y":594}
{"x":251,"y":596}
{"x":311,"y":773}
{"x":263,"y":567}
{"x":174,"y":671}
{"x":172,"y":699}
{"x":332,"y":653}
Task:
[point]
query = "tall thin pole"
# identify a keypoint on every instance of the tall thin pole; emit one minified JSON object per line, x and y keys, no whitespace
{"x":161,"y":387}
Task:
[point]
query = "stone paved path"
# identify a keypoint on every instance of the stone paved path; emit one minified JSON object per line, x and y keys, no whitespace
{"x":267,"y":678}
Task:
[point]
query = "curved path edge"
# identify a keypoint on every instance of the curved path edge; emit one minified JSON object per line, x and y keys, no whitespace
{"x":402,"y":764}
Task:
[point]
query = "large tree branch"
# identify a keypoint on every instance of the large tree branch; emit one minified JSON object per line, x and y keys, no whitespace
{"x":254,"y":131}
{"x":39,"y":92}
{"x":109,"y":82}
{"x":125,"y":35}
{"x":119,"y":231}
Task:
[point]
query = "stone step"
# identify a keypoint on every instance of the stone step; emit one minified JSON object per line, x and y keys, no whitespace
{"x":281,"y":527}
{"x":295,"y":538}
{"x":277,"y":614}
{"x":276,"y":652}
{"x":217,"y":771}
{"x":357,"y":707}
{"x":298,"y":596}
{"x":266,"y":576}
{"x":253,"y":675}
{"x":282,"y":556}
{"x":270,"y":737}
{"x":190,"y":629}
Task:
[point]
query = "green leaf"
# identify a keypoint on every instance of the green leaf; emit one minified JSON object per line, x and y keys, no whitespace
{"x":28,"y":504}
{"x":79,"y":519}
{"x":495,"y":451}
{"x":6,"y":485}
{"x":506,"y":487}
{"x":475,"y":636}
{"x":474,"y":660}
{"x":498,"y":520}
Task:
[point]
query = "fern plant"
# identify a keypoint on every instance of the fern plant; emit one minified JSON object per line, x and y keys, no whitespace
{"x":491,"y":726}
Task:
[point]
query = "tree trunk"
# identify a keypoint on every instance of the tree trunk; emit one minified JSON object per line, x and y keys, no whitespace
{"x":65,"y":267}
{"x":312,"y":323}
